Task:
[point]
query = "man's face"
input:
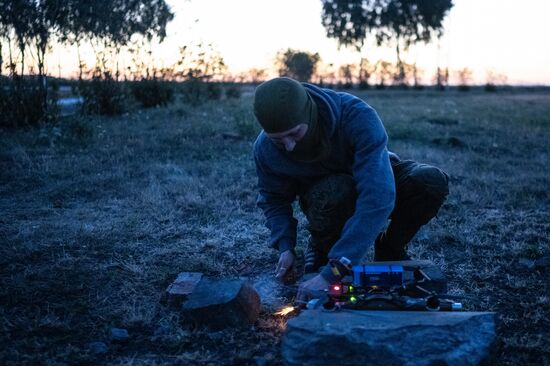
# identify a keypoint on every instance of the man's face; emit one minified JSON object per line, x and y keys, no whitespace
{"x":287,"y":139}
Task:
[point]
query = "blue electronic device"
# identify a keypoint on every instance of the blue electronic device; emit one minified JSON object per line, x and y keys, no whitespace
{"x":383,"y":276}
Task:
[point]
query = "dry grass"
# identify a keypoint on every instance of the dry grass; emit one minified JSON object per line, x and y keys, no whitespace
{"x":99,"y":215}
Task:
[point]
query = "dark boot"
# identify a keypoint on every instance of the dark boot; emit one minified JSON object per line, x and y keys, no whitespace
{"x":315,"y":256}
{"x":384,"y":253}
{"x":327,"y":205}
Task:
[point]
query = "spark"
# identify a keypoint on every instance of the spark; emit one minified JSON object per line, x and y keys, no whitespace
{"x":286,"y":310}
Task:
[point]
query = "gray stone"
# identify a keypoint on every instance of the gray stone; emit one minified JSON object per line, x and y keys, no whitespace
{"x":98,"y":348}
{"x":348,"y":337}
{"x":119,"y":335}
{"x":179,"y":290}
{"x":222,"y":303}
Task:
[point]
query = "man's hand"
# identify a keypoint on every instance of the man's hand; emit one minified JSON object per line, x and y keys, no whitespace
{"x":312,"y":288}
{"x":285,"y":266}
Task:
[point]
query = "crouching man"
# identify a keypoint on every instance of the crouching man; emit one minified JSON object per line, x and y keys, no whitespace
{"x":328,"y":150}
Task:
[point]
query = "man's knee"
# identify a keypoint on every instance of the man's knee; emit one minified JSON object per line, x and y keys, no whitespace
{"x":432,"y":182}
{"x":421,"y":191}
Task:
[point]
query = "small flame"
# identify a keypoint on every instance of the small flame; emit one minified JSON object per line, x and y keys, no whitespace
{"x":286,"y":310}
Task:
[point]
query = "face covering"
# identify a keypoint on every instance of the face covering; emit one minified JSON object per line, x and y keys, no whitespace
{"x":314,"y":146}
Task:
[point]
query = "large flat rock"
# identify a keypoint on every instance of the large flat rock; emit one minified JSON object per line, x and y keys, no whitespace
{"x":222,"y":303}
{"x":351,"y":337}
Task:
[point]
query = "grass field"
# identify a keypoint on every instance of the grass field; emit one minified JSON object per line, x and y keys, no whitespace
{"x":99,"y":215}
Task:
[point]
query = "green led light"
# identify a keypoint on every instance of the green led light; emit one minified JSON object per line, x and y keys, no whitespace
{"x":351,"y":289}
{"x":353,"y":299}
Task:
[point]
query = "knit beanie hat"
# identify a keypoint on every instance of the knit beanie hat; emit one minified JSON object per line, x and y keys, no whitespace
{"x":282,"y":103}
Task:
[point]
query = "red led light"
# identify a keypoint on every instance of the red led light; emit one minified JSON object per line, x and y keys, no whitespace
{"x":336,"y":288}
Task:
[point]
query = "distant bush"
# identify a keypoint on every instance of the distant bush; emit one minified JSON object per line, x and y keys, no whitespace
{"x":195,"y":91}
{"x":103,"y":95}
{"x":152,"y":92}
{"x":299,"y":65}
{"x":490,"y":87}
{"x":363,"y":85}
{"x":26,"y":102}
{"x":232,"y":91}
{"x":191,"y":91}
{"x":464,"y":77}
{"x":213,"y":91}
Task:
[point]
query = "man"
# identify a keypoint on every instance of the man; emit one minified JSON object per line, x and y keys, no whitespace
{"x":328,"y":149}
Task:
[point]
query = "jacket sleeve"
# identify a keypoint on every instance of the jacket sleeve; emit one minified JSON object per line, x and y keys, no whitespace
{"x":374,"y":184}
{"x":275,"y":198}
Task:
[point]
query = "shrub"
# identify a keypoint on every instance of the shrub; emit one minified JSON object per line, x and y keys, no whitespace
{"x":152,"y":92}
{"x":363,"y":85}
{"x":191,"y":91}
{"x":195,"y":91}
{"x":103,"y":95}
{"x":490,"y":87}
{"x":213,"y":91}
{"x":26,"y":102}
{"x":232,"y":91}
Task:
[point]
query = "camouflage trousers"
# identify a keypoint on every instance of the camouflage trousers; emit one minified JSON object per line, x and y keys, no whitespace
{"x":421,"y":190}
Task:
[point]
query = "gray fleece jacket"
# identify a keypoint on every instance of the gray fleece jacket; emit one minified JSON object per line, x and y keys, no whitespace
{"x":358,"y":147}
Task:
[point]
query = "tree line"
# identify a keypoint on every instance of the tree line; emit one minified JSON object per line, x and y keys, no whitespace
{"x":28,"y":28}
{"x":117,"y":28}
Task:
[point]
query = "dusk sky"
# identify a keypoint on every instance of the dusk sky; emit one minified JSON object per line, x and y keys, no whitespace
{"x":504,"y":36}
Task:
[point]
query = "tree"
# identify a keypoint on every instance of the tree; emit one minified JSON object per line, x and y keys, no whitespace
{"x":31,"y":25}
{"x":493,"y":79}
{"x":199,"y":66}
{"x":201,"y":62}
{"x":113,"y":23}
{"x":464,"y":77}
{"x":441,"y":78}
{"x":346,"y":73}
{"x":398,"y":22}
{"x":416,"y":74}
{"x":116,"y":21}
{"x":33,"y":22}
{"x":298,"y":65}
{"x":384,"y":71}
{"x":365,"y":71}
{"x":4,"y":30}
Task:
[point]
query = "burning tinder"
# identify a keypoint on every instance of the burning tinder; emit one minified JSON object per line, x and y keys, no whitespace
{"x":286,"y":310}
